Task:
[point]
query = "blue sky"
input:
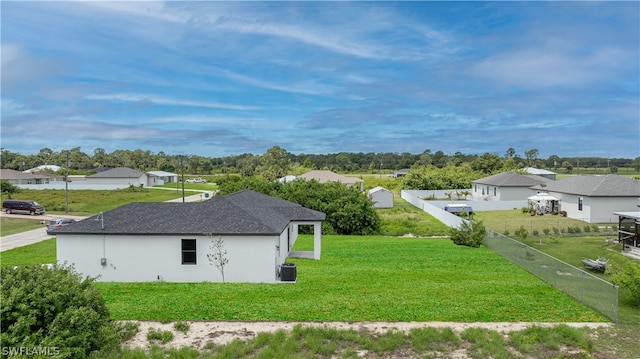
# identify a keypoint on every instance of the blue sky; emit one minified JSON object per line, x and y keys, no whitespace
{"x":227,"y":78}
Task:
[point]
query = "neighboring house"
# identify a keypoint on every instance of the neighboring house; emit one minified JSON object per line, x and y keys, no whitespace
{"x":24,"y":178}
{"x":540,"y":172}
{"x":324,"y":176}
{"x":287,"y":179}
{"x":401,"y":173}
{"x":53,"y":168}
{"x":119,"y":176}
{"x":505,"y":186}
{"x":157,"y":178}
{"x":381,"y":197}
{"x":143,"y":242}
{"x":593,"y":198}
{"x":629,"y":233}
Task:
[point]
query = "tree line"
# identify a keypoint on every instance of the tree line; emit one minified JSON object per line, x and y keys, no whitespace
{"x":277,"y":158}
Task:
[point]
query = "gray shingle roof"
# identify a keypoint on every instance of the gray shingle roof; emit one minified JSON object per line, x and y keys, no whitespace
{"x":511,"y":179}
{"x":595,"y":186}
{"x":244,"y":212}
{"x":118,"y":172}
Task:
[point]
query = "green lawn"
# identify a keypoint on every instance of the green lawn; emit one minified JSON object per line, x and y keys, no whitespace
{"x":38,"y":253}
{"x":10,"y":226}
{"x":364,"y":279}
{"x":90,"y":202}
{"x":511,"y":220}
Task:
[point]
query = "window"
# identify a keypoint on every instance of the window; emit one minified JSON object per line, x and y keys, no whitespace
{"x":495,"y":191}
{"x":189,"y":251}
{"x":579,"y":203}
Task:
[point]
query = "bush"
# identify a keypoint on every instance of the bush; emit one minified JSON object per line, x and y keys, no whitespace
{"x":625,"y":272}
{"x":470,"y":233}
{"x":587,"y":228}
{"x":55,"y":308}
{"x":546,"y":231}
{"x":535,"y":232}
{"x":162,"y":336}
{"x":348,"y":210}
{"x":522,"y":232}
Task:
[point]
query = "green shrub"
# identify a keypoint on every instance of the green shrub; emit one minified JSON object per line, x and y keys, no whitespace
{"x":181,"y":327}
{"x":587,"y":228}
{"x":162,"y":336}
{"x":54,"y":307}
{"x":470,"y":233}
{"x":556,"y":231}
{"x":522,"y":232}
{"x":546,"y":231}
{"x":625,"y":272}
{"x":535,"y":232}
{"x":595,"y":228}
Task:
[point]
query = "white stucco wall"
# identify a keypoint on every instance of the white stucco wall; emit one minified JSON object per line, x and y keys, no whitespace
{"x":118,"y":181}
{"x":496,"y":193}
{"x":595,"y":209}
{"x":153,"y":258}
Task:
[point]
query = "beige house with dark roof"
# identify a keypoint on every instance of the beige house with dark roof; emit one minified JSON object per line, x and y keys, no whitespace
{"x":324,"y":176}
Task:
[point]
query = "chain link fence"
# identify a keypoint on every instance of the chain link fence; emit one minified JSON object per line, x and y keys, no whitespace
{"x":585,"y":287}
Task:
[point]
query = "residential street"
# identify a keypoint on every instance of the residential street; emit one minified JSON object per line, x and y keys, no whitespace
{"x":40,"y":234}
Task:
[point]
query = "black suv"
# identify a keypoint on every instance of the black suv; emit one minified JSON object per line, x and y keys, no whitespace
{"x":22,"y":206}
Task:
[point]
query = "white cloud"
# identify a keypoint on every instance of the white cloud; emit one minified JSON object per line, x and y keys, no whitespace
{"x":159,"y":100}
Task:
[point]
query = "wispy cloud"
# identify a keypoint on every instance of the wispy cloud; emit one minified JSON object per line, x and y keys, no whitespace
{"x":159,"y":100}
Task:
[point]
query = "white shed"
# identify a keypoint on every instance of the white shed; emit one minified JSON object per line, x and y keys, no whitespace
{"x":143,"y":242}
{"x":381,"y":197}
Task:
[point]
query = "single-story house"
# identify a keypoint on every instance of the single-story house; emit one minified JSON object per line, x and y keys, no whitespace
{"x":540,"y":172}
{"x":400,"y":173}
{"x":593,"y":198}
{"x":157,"y":178}
{"x":287,"y":179}
{"x":25,"y":178}
{"x":143,"y":242}
{"x":53,"y":168}
{"x":119,"y":176}
{"x":505,"y":186}
{"x":324,"y":176}
{"x":381,"y":197}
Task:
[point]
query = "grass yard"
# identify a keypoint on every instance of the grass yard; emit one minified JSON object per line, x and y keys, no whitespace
{"x":405,"y":219}
{"x":364,"y":279}
{"x":511,"y":220}
{"x":90,"y":202}
{"x":38,"y":253}
{"x":9,"y":226}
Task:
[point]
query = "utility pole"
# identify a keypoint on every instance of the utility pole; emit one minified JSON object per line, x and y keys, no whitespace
{"x":66,"y":186}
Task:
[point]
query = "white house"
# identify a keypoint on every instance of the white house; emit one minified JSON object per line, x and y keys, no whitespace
{"x":26,"y":178}
{"x":593,"y":198}
{"x":142,"y":242}
{"x":505,"y":186}
{"x":381,"y":197}
{"x":157,"y":178}
{"x":119,"y":176}
{"x":540,"y":172}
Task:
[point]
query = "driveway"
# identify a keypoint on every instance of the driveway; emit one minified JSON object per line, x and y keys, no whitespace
{"x":40,"y":234}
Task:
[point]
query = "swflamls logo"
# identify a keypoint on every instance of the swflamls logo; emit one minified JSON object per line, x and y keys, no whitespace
{"x":30,"y":351}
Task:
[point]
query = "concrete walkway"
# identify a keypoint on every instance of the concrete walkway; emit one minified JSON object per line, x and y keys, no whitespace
{"x":40,"y":234}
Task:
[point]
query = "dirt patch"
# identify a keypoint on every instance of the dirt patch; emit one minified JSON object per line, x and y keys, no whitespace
{"x":201,"y":334}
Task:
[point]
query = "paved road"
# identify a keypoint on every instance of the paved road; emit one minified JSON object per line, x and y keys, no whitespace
{"x":40,"y":234}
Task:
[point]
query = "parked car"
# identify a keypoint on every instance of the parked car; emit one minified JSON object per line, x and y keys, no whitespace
{"x":55,"y":224}
{"x":458,"y":209}
{"x":22,"y":206}
{"x":196,"y":180}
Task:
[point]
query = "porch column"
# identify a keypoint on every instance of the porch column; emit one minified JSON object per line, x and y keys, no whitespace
{"x":317,"y":240}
